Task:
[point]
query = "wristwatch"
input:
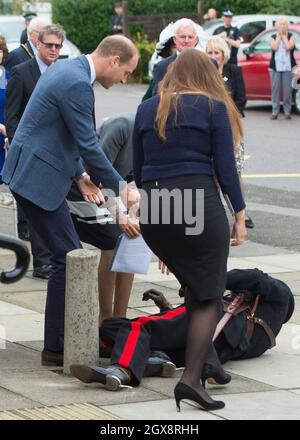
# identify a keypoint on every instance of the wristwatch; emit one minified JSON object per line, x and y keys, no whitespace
{"x":77,"y":178}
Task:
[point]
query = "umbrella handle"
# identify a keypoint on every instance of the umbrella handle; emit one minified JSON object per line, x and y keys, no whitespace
{"x":22,"y":258}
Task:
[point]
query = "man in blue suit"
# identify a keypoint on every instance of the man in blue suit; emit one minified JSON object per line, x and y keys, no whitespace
{"x":56,"y":131}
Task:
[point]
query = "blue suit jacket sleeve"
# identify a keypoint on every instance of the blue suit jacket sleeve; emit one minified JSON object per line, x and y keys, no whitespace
{"x":78,"y":116}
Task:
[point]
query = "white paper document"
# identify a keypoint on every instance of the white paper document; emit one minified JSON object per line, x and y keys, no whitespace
{"x":131,"y":255}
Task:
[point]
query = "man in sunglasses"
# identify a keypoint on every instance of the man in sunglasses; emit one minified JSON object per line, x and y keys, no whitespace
{"x":20,"y":87}
{"x":29,"y":49}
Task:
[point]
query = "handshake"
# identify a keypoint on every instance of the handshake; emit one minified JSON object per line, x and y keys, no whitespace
{"x":118,"y":206}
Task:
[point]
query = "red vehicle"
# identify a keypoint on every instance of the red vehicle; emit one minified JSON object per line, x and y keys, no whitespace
{"x":254,"y":61}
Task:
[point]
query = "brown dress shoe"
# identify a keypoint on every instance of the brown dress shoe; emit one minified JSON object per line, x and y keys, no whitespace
{"x":113,"y":377}
{"x":52,"y":358}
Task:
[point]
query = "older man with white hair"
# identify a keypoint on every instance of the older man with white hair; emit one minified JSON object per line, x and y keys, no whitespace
{"x":186,"y":34}
{"x":28,"y":50}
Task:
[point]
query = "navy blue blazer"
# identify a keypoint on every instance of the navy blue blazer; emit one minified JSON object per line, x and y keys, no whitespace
{"x":55,"y":131}
{"x":159,"y":71}
{"x":18,"y":56}
{"x":19,"y":88}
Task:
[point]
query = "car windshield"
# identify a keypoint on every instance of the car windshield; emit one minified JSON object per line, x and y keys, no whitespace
{"x":11,"y":30}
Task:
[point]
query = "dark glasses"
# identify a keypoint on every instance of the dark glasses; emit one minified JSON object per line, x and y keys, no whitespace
{"x":51,"y":45}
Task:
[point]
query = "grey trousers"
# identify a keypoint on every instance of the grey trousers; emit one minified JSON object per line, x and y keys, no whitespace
{"x":284,"y":80}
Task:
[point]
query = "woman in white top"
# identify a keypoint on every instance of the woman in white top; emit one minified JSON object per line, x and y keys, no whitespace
{"x":281,"y":65}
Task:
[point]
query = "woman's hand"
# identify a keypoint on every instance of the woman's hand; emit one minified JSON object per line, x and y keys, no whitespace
{"x":129,"y":226}
{"x":163,"y":268}
{"x":239,"y":231}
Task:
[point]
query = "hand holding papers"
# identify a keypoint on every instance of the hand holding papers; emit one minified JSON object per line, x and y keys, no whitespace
{"x":131,"y":255}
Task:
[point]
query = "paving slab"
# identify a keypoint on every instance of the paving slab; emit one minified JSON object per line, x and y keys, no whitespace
{"x":34,"y":301}
{"x":9,"y":401}
{"x":23,"y":327}
{"x":247,"y":263}
{"x":238,"y":384}
{"x":277,"y":367}
{"x":34,"y":345}
{"x":148,"y":310}
{"x":159,"y":410}
{"x":252,"y":249}
{"x":49,"y":388}
{"x":296,"y":391}
{"x":26,"y":284}
{"x":12,"y":309}
{"x":16,"y":357}
{"x":268,"y":405}
{"x":290,"y":276}
{"x":7,"y":260}
{"x":290,"y":261}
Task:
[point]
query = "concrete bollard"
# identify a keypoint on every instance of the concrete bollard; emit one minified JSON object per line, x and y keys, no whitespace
{"x":81,"y":340}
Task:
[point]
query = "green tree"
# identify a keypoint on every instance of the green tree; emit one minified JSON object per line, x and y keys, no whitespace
{"x":85,"y":21}
{"x":285,"y":7}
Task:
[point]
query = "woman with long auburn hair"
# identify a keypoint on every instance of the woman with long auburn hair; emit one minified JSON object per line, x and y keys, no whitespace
{"x":182,"y":137}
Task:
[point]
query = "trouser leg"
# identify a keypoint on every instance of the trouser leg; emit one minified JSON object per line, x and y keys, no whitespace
{"x":287,"y":91}
{"x":57,"y":229}
{"x":276,"y":86}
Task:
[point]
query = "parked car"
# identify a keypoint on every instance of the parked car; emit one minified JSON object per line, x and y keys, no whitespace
{"x":251,"y":25}
{"x":11,"y":27}
{"x":255,"y":60}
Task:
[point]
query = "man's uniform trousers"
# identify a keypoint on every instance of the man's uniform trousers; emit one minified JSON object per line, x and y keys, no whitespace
{"x":134,"y":339}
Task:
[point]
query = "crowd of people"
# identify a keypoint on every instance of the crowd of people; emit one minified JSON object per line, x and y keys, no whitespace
{"x":187,"y":136}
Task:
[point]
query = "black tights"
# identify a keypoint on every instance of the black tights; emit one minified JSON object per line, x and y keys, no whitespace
{"x":202,"y":321}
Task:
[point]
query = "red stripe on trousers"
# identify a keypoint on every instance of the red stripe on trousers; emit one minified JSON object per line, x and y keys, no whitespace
{"x":135,"y":331}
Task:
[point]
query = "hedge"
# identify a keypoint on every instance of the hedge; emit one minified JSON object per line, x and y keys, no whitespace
{"x":86,"y":21}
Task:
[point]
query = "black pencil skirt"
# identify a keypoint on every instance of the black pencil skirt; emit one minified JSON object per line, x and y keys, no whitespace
{"x":199,"y":262}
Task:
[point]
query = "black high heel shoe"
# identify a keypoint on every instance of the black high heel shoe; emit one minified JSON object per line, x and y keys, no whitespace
{"x":183,"y":391}
{"x":209,"y":372}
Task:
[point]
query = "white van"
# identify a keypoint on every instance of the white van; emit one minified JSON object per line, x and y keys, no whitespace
{"x":11,"y":27}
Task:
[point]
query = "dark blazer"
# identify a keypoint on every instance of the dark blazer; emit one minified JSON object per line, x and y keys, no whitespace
{"x":235,"y":84}
{"x":275,"y":307}
{"x":24,"y":36}
{"x":19,"y":89}
{"x":159,"y":71}
{"x":18,"y":56}
{"x":56,"y":130}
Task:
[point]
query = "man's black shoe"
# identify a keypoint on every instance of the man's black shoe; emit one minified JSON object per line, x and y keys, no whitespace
{"x":159,"y":364}
{"x":42,"y":272}
{"x":24,"y":235}
{"x":112,"y":377}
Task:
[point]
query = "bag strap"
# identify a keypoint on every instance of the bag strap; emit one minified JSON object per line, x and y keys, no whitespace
{"x":267,"y":329}
{"x":238,"y":305}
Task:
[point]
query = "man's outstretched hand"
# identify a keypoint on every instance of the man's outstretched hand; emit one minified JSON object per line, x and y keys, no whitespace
{"x":90,"y":192}
{"x":158,"y":298}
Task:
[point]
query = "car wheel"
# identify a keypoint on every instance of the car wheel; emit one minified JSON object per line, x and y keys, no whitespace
{"x":296,"y":96}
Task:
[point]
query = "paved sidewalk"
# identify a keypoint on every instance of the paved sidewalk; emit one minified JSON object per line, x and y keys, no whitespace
{"x":263,"y":388}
